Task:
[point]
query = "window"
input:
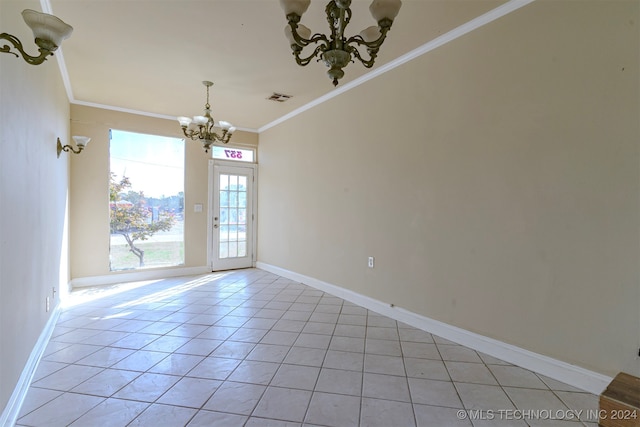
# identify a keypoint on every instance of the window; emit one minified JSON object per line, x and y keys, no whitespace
{"x":146,"y":201}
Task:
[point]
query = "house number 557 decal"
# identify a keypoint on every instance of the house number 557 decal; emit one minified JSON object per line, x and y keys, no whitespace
{"x":233,"y":154}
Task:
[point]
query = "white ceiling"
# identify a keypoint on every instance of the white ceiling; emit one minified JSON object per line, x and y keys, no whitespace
{"x":151,"y":56}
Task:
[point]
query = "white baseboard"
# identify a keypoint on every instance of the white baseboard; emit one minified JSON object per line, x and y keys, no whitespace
{"x":573,"y":375}
{"x":139,"y":275}
{"x":10,"y":414}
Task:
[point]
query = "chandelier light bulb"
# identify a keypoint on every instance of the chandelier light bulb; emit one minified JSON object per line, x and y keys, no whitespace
{"x":298,"y":7}
{"x":370,"y":34}
{"x":385,"y":9}
{"x":184,"y":121}
{"x":303,"y":32}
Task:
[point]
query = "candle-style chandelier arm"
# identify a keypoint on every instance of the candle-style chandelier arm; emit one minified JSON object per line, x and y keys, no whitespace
{"x":302,"y":41}
{"x":208,"y":137}
{"x":304,"y":61}
{"x":299,"y":42}
{"x":370,"y":44}
{"x":190,"y":133}
{"x":372,"y":47}
{"x":203,"y":133}
{"x":368,"y":63}
{"x":17,"y":44}
{"x":226,"y":136}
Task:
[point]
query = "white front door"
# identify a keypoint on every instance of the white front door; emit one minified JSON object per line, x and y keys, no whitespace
{"x":232,"y":216}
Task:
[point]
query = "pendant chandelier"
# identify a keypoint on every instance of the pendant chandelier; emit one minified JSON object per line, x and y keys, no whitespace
{"x":336,"y":51}
{"x":204,"y":127}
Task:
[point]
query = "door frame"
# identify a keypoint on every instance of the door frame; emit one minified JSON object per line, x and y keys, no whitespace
{"x":253,"y":201}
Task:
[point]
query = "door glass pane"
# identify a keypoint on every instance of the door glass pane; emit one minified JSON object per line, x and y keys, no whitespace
{"x":233,"y":216}
{"x":242,"y":232}
{"x":233,"y":249}
{"x":242,"y":248}
{"x":224,"y":233}
{"x":233,"y":233}
{"x":224,"y":250}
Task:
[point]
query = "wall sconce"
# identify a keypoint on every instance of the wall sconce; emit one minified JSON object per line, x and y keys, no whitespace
{"x":81,"y":142}
{"x":48,"y":30}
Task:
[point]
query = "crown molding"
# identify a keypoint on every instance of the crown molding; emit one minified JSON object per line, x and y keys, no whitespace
{"x":139,"y":113}
{"x":480,"y":21}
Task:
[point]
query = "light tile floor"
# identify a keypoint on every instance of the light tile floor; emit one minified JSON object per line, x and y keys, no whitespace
{"x":250,"y":348}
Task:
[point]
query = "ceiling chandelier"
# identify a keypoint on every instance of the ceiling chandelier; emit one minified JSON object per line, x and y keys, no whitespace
{"x":204,"y":128}
{"x":336,"y":50}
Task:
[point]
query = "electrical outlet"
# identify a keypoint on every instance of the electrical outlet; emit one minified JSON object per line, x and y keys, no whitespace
{"x":47,"y":304}
{"x":370,"y":262}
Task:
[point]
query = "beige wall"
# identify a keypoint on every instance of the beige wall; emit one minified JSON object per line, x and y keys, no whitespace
{"x":89,"y":198}
{"x":495,"y":180}
{"x":34,"y":112}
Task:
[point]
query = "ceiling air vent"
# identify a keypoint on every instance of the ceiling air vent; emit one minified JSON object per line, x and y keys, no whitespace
{"x":278,"y":97}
